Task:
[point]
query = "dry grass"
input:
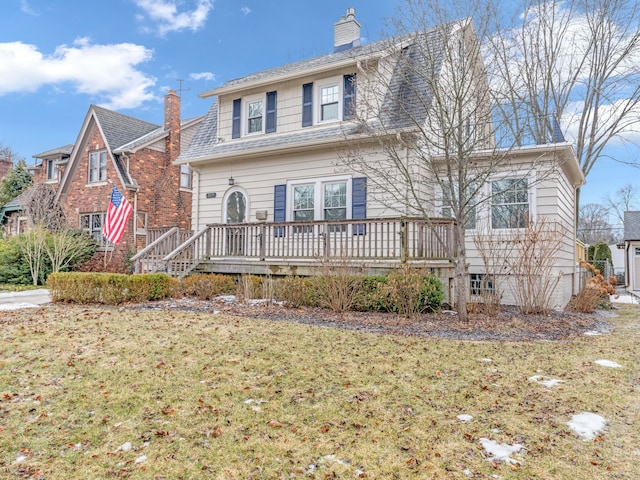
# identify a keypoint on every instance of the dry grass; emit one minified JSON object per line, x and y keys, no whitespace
{"x":209,"y":396}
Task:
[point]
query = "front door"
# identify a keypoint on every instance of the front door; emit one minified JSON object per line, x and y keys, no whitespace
{"x":236,"y":213}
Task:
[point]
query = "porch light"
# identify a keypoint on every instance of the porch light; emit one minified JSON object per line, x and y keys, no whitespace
{"x":231,"y":181}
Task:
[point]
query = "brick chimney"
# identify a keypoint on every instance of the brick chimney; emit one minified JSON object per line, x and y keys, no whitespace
{"x":346,"y":32}
{"x":5,"y":165}
{"x":172,"y":123}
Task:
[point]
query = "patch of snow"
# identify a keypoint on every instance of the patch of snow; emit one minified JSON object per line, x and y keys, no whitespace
{"x":607,"y":363}
{"x":468,"y":472}
{"x":251,"y":400}
{"x":592,"y":333}
{"x":334,"y":459}
{"x":549,"y":382}
{"x":486,"y":360}
{"x":227,"y":298}
{"x":141,"y":459}
{"x":360,"y":474}
{"x":20,"y":459}
{"x":17,"y":306}
{"x":587,"y":424}
{"x":496,"y":430}
{"x":125,"y":447}
{"x":500,"y":452}
{"x":465,"y":418}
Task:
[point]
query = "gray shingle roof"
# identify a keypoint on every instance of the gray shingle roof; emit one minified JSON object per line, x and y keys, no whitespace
{"x":121,"y":129}
{"x":65,"y":150}
{"x":407,"y":100}
{"x":631,"y":226}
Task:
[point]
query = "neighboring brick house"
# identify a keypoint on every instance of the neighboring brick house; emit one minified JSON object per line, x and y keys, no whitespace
{"x":133,"y":155}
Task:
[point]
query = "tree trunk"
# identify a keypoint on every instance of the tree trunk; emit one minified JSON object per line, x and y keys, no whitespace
{"x":460,"y":274}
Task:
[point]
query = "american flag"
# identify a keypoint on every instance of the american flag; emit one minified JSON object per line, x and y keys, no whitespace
{"x":117,"y":216}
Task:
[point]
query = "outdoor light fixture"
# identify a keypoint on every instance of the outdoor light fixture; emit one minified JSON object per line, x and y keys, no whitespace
{"x":231,"y":181}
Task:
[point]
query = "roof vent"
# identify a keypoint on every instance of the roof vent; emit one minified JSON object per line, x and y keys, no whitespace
{"x":346,"y":32}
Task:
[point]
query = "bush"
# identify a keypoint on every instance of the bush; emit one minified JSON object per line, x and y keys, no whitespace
{"x":412,"y":292}
{"x":249,"y":287}
{"x":108,"y":288}
{"x":373,"y":295}
{"x":13,"y":267}
{"x":152,"y":286}
{"x":294,"y":291}
{"x":207,"y":286}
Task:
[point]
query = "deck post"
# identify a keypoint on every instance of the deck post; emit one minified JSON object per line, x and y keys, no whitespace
{"x":261,"y":240}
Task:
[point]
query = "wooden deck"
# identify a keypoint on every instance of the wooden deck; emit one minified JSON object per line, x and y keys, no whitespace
{"x":375,"y":245}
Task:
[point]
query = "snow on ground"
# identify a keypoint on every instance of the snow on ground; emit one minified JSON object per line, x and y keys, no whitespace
{"x":17,"y":306}
{"x":587,"y":424}
{"x":608,"y":363}
{"x":465,"y":418}
{"x":500,"y":452}
{"x":546,"y":381}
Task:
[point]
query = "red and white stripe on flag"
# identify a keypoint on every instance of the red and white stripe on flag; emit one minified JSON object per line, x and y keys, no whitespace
{"x":117,"y":216}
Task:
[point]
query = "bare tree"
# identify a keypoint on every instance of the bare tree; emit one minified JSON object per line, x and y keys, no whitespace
{"x":625,"y":199}
{"x":428,"y":108}
{"x":594,"y":225}
{"x":576,"y":59}
{"x":49,"y":237}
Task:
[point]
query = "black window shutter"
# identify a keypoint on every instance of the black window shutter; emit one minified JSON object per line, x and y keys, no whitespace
{"x":279,"y":208}
{"x":349,"y":97}
{"x":272,"y":98}
{"x":307,"y":104}
{"x":359,"y":204}
{"x":237,"y":112}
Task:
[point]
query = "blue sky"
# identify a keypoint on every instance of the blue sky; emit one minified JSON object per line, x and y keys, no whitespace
{"x":59,"y":56}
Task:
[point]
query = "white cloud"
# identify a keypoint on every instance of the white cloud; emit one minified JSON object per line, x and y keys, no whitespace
{"x":203,"y":76}
{"x":165,"y":14}
{"x":106,"y":71}
{"x":26,"y":8}
{"x":245,"y":11}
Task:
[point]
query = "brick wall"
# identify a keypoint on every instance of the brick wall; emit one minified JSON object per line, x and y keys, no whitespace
{"x":158,"y":194}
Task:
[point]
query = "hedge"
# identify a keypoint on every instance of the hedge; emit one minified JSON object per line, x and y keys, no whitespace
{"x":109,"y":288}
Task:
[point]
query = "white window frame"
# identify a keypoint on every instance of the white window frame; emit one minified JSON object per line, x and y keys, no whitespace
{"x":51,"y":170}
{"x":102,"y":172}
{"x":103,"y":243}
{"x":186,"y":173}
{"x":317,"y":98}
{"x":318,"y":191}
{"x":141,"y":223}
{"x":531,"y":196}
{"x":244,"y":117}
{"x":225,"y":198}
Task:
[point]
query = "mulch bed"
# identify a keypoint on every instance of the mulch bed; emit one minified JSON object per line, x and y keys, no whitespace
{"x":507,"y":325}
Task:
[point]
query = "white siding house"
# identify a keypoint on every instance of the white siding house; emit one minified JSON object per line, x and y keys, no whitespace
{"x":271,"y":152}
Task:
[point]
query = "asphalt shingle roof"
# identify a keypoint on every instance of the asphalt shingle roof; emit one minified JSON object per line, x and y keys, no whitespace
{"x":632,"y":225}
{"x":406,"y":102}
{"x":65,"y":150}
{"x":121,"y":129}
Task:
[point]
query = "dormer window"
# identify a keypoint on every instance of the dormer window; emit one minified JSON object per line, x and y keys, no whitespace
{"x":329,"y":100}
{"x":255,"y":114}
{"x":254,"y":117}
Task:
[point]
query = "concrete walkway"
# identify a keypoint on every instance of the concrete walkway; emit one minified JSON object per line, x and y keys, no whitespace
{"x":26,"y":299}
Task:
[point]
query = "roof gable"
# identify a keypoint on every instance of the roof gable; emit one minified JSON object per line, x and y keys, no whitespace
{"x":119,"y":129}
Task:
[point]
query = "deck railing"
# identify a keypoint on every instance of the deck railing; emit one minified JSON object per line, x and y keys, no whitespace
{"x":150,"y":258}
{"x":398,"y":239}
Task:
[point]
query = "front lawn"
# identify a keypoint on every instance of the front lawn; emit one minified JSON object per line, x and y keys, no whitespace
{"x":91,"y":392}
